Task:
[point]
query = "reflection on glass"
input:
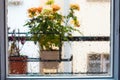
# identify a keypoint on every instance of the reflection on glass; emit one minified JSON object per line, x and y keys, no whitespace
{"x":84,"y":55}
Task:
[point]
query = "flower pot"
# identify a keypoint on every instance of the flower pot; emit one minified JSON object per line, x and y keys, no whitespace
{"x":49,"y":61}
{"x":18,"y":64}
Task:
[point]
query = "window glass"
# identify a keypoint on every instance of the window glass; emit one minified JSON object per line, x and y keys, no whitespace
{"x":86,"y":53}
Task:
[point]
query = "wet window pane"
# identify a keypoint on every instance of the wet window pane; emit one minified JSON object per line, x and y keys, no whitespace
{"x":86,"y":53}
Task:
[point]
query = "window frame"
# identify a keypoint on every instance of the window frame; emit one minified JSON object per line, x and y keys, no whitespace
{"x":115,"y":47}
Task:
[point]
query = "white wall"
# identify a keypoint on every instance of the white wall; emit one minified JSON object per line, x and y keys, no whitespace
{"x":94,"y":17}
{"x":80,"y":53}
{"x":17,"y":14}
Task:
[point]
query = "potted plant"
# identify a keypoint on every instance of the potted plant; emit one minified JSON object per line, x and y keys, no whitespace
{"x":49,"y":27}
{"x":17,"y":62}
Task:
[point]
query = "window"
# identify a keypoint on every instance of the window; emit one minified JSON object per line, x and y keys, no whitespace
{"x":106,"y":56}
{"x":99,"y":63}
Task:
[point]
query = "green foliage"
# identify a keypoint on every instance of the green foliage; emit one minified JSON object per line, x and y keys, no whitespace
{"x":49,"y":27}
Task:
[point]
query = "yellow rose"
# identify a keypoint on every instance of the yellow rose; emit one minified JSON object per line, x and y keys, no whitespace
{"x":50,"y":2}
{"x":76,"y":23}
{"x":47,"y":11}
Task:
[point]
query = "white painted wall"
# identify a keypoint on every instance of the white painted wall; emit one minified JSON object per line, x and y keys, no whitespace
{"x":80,"y":53}
{"x":17,"y":15}
{"x":94,"y":17}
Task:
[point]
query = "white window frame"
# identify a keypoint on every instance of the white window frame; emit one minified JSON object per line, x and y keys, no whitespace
{"x":114,"y":48}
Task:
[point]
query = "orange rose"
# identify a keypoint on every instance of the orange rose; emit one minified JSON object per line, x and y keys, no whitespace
{"x":55,"y":7}
{"x":39,"y":9}
{"x":74,"y":7}
{"x":32,"y":10}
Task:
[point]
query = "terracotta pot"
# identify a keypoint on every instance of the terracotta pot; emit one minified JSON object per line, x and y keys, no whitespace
{"x":18,"y":64}
{"x":46,"y":65}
